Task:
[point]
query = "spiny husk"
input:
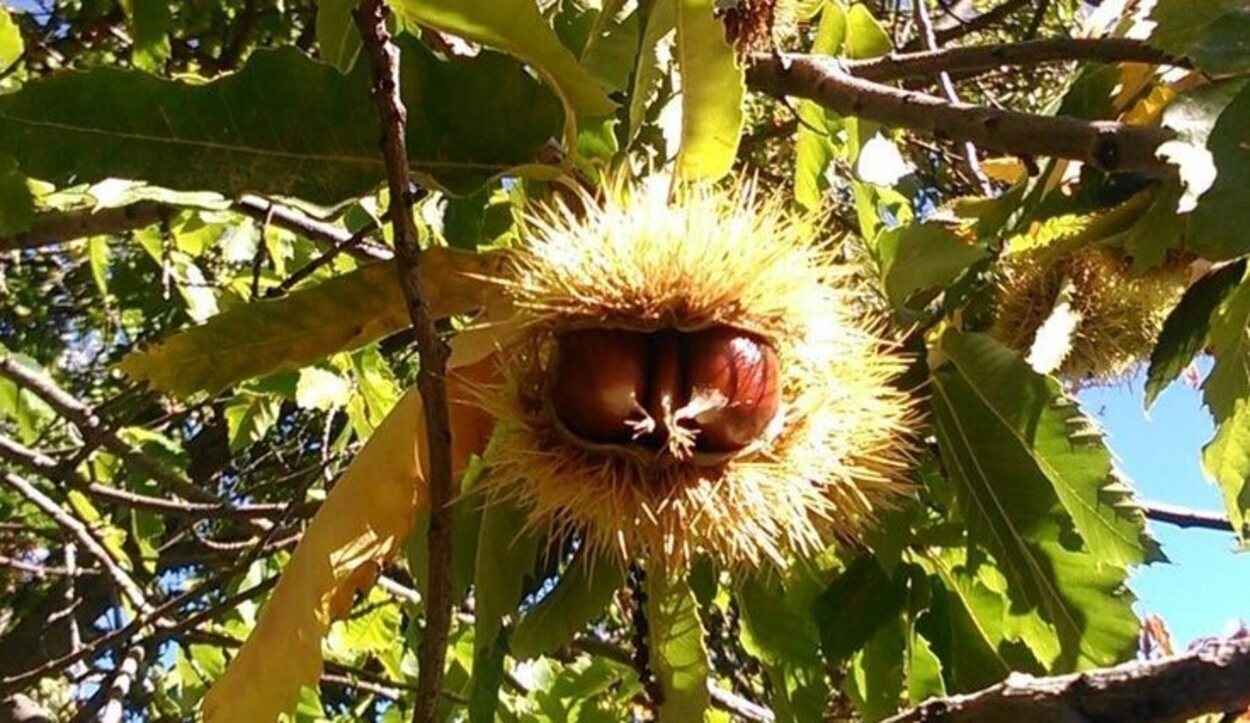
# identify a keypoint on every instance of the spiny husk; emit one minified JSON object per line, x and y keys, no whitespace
{"x":1114,"y":317}
{"x":709,"y":258}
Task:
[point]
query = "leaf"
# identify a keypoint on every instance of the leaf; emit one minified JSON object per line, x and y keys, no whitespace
{"x":865,"y":38}
{"x":517,"y":28}
{"x":1185,"y":330}
{"x":1226,"y":459}
{"x":877,"y":673}
{"x":11,"y":44}
{"x":813,"y":145}
{"x":611,"y":51}
{"x":850,"y":611}
{"x":924,"y":670}
{"x":321,"y":389}
{"x":660,"y":22}
{"x":98,"y":258}
{"x":1216,"y":231}
{"x":918,"y":257}
{"x":1192,"y":115}
{"x":292,"y":332}
{"x":1213,"y":33}
{"x":678,"y":658}
{"x":249,"y":417}
{"x":149,"y":24}
{"x":487,"y":677}
{"x":787,"y":642}
{"x":17,"y":205}
{"x":581,"y":594}
{"x":1026,"y":471}
{"x":337,"y":37}
{"x":1229,"y":341}
{"x":362,"y":522}
{"x":712,"y":93}
{"x":283,"y":125}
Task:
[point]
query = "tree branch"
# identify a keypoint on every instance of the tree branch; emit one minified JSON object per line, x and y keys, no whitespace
{"x":1106,"y":145}
{"x":383,"y":54}
{"x":83,"y":534}
{"x":985,"y":20}
{"x":1213,"y":678}
{"x":1185,"y":517}
{"x":978,"y":58}
{"x":59,"y":227}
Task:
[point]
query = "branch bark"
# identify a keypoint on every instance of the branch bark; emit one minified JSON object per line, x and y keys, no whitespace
{"x":978,"y":58}
{"x":383,"y":54}
{"x":1185,"y":517}
{"x":1213,"y":678}
{"x":1106,"y":145}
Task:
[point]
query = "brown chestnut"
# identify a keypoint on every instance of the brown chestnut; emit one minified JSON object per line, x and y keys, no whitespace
{"x":713,"y":390}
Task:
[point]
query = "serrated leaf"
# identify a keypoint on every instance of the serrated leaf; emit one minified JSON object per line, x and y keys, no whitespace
{"x":1229,"y":340}
{"x":862,"y":593}
{"x":582,"y":594}
{"x":519,"y":29}
{"x":678,"y":658}
{"x":292,"y":332}
{"x":337,"y":36}
{"x":918,"y":257}
{"x":877,"y":673}
{"x":283,"y":125}
{"x":1185,"y":330}
{"x":1226,"y":459}
{"x":1023,"y":486}
{"x":362,"y":522}
{"x":11,"y":44}
{"x":865,"y":38}
{"x":924,"y":670}
{"x":712,"y":93}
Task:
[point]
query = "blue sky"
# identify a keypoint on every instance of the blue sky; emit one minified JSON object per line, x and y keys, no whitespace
{"x":1207,"y":584}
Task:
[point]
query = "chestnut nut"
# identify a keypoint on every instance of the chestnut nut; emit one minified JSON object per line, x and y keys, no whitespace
{"x":713,"y":390}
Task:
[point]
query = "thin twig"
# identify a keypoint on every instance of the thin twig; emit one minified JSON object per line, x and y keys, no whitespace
{"x":1186,"y":517}
{"x":948,"y":89}
{"x":131,"y":589}
{"x":115,"y":708}
{"x":371,"y":19}
{"x":1214,"y":678}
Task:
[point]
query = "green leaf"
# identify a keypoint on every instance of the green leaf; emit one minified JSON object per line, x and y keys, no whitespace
{"x":1027,"y":470}
{"x":98,"y":257}
{"x":678,"y":658}
{"x":1226,"y":459}
{"x":149,"y":24}
{"x":283,"y":125}
{"x":11,"y":45}
{"x":1229,"y":340}
{"x":858,"y":602}
{"x":1213,"y":34}
{"x":249,"y":417}
{"x":877,"y":674}
{"x":337,"y":37}
{"x":582,"y":594}
{"x":611,"y":50}
{"x":924,"y":256}
{"x":505,"y":557}
{"x":291,"y":332}
{"x":660,"y":22}
{"x":17,"y":205}
{"x":924,"y":670}
{"x":488,"y":675}
{"x":865,"y":38}
{"x":787,"y":642}
{"x":1184,"y":332}
{"x":517,"y":28}
{"x":813,"y":145}
{"x":712,"y":93}
{"x":1215,"y":230}
{"x":1157,"y":231}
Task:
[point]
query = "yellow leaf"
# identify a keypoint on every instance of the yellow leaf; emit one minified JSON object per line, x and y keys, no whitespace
{"x":363,"y":522}
{"x":1004,"y":168}
{"x":712,"y":93}
{"x":292,"y":332}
